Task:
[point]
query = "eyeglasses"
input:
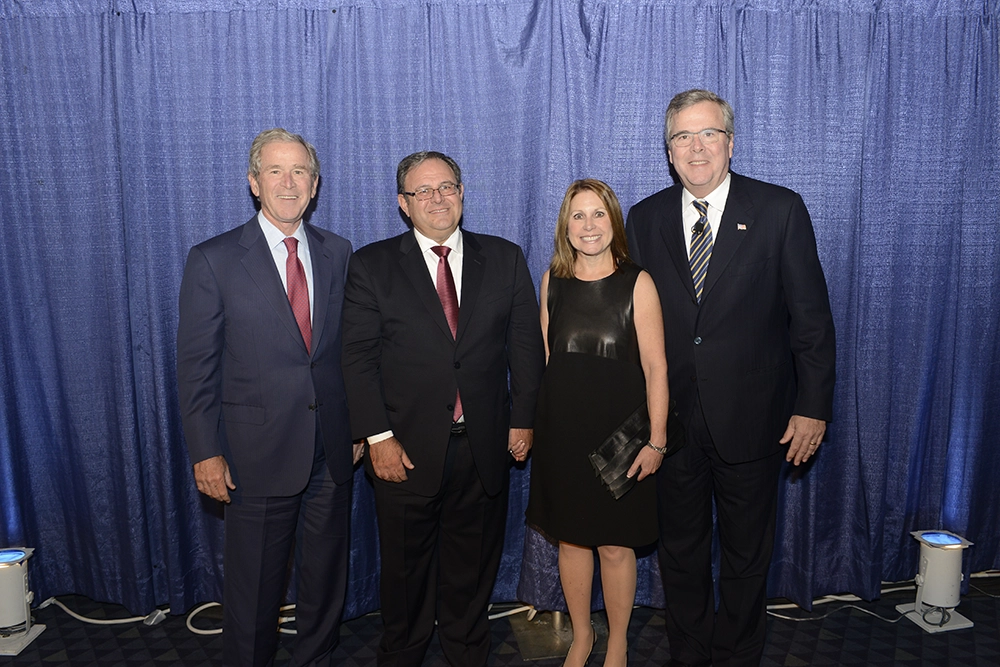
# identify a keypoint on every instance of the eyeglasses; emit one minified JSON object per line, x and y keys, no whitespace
{"x":709,"y":136}
{"x":423,"y":194}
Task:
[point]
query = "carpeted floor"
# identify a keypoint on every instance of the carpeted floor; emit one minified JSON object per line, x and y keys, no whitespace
{"x":845,"y":636}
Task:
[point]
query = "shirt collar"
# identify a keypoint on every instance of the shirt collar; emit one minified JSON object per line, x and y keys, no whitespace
{"x":454,"y":241}
{"x":274,"y":236}
{"x":716,"y":198}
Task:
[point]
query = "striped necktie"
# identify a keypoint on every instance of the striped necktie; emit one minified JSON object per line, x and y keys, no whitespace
{"x":701,"y":248}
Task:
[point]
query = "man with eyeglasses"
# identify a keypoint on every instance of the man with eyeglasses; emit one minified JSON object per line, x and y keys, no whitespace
{"x":434,"y":321}
{"x":750,"y":345}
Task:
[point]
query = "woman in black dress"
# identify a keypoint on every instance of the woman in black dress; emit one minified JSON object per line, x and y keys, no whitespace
{"x":603,"y":333}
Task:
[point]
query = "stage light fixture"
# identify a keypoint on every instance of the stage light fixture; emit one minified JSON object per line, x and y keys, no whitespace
{"x":16,"y":630}
{"x":939,"y":582}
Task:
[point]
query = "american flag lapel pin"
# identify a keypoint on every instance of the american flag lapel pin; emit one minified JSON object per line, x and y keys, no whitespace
{"x":741,"y":227}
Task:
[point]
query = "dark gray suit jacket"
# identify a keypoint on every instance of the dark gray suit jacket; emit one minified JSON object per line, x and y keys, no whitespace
{"x":402,"y":366}
{"x":248,"y":388}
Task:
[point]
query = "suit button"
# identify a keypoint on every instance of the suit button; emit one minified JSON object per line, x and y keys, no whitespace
{"x":312,"y":364}
{"x":697,"y":340}
{"x":451,"y":408}
{"x":458,"y":364}
{"x":694,"y":379}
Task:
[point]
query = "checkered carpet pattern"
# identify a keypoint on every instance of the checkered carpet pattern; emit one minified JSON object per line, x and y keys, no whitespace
{"x":844,"y":636}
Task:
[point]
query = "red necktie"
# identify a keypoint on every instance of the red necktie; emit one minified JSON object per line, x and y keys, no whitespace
{"x":298,"y":290}
{"x":449,"y":301}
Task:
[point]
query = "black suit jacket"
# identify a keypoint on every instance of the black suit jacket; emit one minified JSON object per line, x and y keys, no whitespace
{"x":248,"y":388}
{"x":760,"y":347}
{"x":402,"y":366}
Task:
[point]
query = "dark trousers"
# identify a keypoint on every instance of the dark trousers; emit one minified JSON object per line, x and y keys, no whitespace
{"x":440,"y":556}
{"x":745,"y":497}
{"x":260,"y":533}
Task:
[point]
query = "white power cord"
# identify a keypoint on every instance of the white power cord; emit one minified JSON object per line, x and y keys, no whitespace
{"x":985,"y":575}
{"x":155,"y":617}
{"x":854,"y":598}
{"x":282,"y":619}
{"x":510,"y":612}
{"x":836,"y":598}
{"x":197,"y":610}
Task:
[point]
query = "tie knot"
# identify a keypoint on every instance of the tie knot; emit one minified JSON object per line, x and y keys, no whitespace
{"x":441,"y":250}
{"x":702,"y":207}
{"x":292,"y":244}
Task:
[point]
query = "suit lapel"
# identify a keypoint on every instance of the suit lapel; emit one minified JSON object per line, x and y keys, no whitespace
{"x":259,"y":263}
{"x":672,"y":231}
{"x":736,"y":221}
{"x":322,"y":277}
{"x":473,"y":271}
{"x":413,"y":265}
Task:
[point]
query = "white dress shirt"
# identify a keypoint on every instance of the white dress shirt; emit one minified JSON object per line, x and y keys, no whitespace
{"x":716,"y":205}
{"x":431,"y":260}
{"x":279,"y":253}
{"x":454,"y":257}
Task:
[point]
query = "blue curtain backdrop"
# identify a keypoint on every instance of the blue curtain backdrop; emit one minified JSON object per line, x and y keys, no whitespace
{"x":124,"y":128}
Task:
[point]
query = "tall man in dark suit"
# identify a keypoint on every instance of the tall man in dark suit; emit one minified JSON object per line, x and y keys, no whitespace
{"x":750,"y":343}
{"x":434,"y":319}
{"x":264,"y":410}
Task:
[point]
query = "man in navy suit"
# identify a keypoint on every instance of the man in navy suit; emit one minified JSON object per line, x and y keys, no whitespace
{"x":264,"y":410}
{"x":434,"y":320}
{"x":750,"y":344}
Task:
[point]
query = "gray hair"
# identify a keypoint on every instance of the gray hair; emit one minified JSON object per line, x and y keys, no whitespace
{"x":691,"y":97}
{"x":410,"y":162}
{"x":280,"y":134}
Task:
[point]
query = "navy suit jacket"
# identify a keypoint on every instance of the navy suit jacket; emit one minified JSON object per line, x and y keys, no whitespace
{"x":760,"y":346}
{"x":248,"y":388}
{"x":402,"y":365}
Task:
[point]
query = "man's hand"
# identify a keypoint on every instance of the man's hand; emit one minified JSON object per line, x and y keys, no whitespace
{"x":212,"y":478}
{"x":389,"y":460}
{"x":805,"y":435}
{"x":519,"y":443}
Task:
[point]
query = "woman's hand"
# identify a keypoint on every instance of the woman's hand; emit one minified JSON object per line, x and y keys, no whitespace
{"x":646,"y":463}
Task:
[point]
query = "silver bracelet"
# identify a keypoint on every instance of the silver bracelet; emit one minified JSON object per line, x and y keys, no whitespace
{"x":662,"y":451}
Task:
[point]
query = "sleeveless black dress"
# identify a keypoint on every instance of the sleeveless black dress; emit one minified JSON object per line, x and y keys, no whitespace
{"x":592,"y":383}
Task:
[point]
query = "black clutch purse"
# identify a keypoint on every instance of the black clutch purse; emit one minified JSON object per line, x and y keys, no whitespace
{"x":616,"y":455}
